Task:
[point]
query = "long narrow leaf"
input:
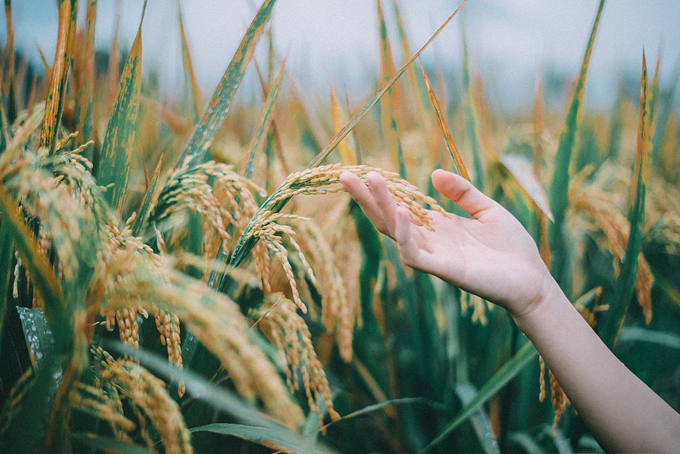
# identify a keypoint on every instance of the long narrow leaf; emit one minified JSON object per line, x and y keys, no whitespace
{"x":114,"y":167}
{"x":197,"y":100}
{"x":219,"y":106}
{"x":443,"y":126}
{"x":560,"y":181}
{"x":372,"y":102}
{"x":278,"y":440}
{"x":625,"y":284}
{"x":54,"y":106}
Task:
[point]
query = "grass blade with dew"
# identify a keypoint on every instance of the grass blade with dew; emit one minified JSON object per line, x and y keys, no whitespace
{"x":147,"y":201}
{"x":441,"y":119}
{"x":54,"y":106}
{"x":480,"y":421}
{"x":196,"y":98}
{"x":119,"y":140}
{"x":501,"y":378}
{"x":219,"y":106}
{"x":242,"y":248}
{"x":470,"y":118}
{"x":39,"y":269}
{"x":388,"y":119}
{"x":625,"y":283}
{"x":84,"y":78}
{"x":560,"y":182}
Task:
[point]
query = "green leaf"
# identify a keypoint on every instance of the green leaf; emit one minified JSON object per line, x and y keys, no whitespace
{"x":480,"y":422}
{"x":84,"y":72}
{"x":625,"y":283}
{"x":39,"y":337}
{"x":54,"y":104}
{"x":501,"y":378}
{"x":197,"y":99}
{"x":560,"y":181}
{"x":264,"y":123}
{"x":526,"y":442}
{"x":40,"y":271}
{"x":636,"y":334}
{"x":219,"y":106}
{"x":119,"y":140}
{"x":143,"y":212}
{"x":197,"y":387}
{"x":278,"y":440}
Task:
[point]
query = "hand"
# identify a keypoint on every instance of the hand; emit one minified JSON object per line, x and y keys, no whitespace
{"x":490,"y":255}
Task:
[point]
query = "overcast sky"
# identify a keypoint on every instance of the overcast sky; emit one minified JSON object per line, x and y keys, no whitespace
{"x":337,"y":41}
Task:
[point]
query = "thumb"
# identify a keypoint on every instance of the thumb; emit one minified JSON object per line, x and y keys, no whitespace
{"x":462,"y":193}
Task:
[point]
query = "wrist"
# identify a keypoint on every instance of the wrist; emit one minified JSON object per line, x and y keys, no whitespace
{"x":549,"y":298}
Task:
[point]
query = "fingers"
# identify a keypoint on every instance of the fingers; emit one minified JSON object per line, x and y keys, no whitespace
{"x":408,"y":248}
{"x":462,"y":193}
{"x":362,"y":195}
{"x":383,"y":199}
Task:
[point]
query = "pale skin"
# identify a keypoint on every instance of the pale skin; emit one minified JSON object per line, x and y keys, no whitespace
{"x":493,"y":256}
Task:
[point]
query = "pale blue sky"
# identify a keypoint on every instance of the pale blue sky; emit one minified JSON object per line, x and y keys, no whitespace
{"x":337,"y":40}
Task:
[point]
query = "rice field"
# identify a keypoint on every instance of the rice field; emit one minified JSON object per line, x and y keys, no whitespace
{"x":188,"y":274}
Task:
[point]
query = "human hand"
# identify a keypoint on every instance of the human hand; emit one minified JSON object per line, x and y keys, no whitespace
{"x":490,"y":255}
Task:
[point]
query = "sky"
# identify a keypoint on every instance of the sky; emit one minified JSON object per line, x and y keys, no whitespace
{"x":336,"y":41}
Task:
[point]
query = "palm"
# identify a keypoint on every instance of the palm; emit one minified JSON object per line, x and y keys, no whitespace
{"x":490,"y":254}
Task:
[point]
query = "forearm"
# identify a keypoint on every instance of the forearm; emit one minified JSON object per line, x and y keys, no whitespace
{"x":623,"y":413}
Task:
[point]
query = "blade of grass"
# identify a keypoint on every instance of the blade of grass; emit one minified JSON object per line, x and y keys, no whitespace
{"x":450,"y":145}
{"x":54,"y":105}
{"x":84,"y":70}
{"x":347,"y":156}
{"x":197,"y":387}
{"x":278,"y":440}
{"x":637,"y":334}
{"x":418,"y":101}
{"x":9,"y":48}
{"x":390,"y":128}
{"x":501,"y":378}
{"x":119,"y":140}
{"x":264,"y":123}
{"x":480,"y":421}
{"x":560,"y":181}
{"x":197,"y":99}
{"x":149,"y":198}
{"x":470,"y":118}
{"x":219,"y":106}
{"x":375,"y":98}
{"x":625,"y":283}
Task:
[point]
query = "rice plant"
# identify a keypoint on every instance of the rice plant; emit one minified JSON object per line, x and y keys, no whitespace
{"x":282,"y":320}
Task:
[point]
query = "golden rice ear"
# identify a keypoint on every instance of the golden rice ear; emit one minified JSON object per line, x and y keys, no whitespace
{"x":287,"y":330}
{"x":147,"y":393}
